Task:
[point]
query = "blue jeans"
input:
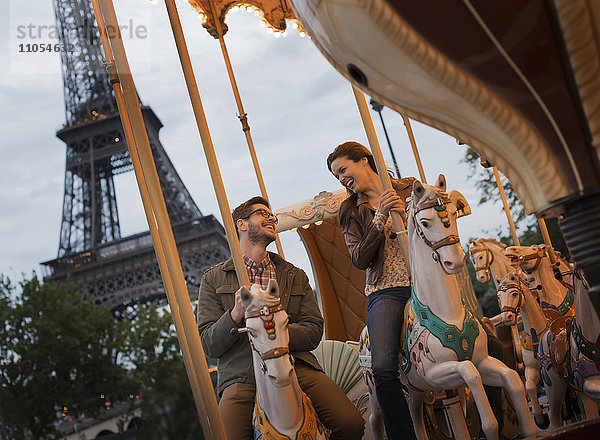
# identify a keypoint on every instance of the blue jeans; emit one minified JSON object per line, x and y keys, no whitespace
{"x":385,"y":314}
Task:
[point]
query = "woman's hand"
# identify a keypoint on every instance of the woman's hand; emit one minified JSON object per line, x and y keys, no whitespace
{"x":389,"y":200}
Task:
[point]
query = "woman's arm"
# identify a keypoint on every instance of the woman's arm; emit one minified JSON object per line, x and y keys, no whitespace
{"x":363,"y":243}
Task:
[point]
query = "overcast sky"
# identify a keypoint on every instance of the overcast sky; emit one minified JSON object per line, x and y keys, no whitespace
{"x":299,"y":108}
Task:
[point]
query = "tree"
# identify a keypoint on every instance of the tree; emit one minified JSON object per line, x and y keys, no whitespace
{"x":57,"y":349}
{"x":527,"y":225}
{"x":152,"y":354}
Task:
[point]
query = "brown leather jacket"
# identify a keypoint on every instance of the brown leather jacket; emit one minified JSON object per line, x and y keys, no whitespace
{"x":364,"y":241}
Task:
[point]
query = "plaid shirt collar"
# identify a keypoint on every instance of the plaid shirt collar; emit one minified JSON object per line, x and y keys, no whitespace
{"x":261,"y":272}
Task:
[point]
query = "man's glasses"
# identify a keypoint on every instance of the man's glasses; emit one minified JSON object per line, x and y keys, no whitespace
{"x":264,"y":213}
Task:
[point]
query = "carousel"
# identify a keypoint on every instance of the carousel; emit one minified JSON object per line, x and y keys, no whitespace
{"x":518,"y":83}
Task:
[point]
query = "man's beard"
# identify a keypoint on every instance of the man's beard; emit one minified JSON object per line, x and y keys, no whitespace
{"x":257,"y":236}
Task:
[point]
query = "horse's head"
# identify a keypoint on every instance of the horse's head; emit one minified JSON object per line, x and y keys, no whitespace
{"x":528,"y":258}
{"x":433,"y":217}
{"x":510,"y":295}
{"x":267,"y":327}
{"x":481,"y":256}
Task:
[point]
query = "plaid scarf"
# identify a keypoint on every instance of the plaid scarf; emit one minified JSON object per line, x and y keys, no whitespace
{"x":260,"y":273}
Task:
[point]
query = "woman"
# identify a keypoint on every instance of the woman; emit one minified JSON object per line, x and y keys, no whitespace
{"x":365,"y":220}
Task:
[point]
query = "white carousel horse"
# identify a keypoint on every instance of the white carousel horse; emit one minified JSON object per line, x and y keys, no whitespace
{"x":556,"y":297}
{"x":570,"y":350}
{"x":444,"y":344}
{"x":487,"y":255}
{"x":560,"y":301}
{"x":583,"y":367}
{"x":514,"y":295}
{"x":282,"y":409}
{"x":376,"y":416}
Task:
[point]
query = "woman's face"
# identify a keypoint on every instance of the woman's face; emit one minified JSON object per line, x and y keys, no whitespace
{"x":355,"y":176}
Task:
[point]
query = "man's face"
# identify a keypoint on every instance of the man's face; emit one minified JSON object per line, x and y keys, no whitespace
{"x":261,"y":225}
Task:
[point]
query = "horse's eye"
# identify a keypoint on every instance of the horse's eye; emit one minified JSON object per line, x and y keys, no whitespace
{"x":514,"y":294}
{"x":425,"y":223}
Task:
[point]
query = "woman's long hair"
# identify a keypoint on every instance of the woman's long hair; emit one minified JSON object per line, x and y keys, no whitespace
{"x":355,"y":152}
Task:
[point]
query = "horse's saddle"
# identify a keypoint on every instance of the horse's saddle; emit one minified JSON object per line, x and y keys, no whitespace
{"x":311,"y":429}
{"x":559,"y":347}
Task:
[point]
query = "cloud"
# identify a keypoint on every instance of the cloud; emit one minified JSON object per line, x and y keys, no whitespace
{"x":299,"y":108}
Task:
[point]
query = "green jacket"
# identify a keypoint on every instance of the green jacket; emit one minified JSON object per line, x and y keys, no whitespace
{"x":233,"y":353}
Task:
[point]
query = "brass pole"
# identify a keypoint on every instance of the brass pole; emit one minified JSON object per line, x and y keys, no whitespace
{"x":160,"y":256}
{"x":209,"y":415}
{"x":209,"y":151}
{"x":513,"y":330}
{"x":511,"y":223}
{"x":413,"y":144}
{"x":242,"y":116}
{"x":382,"y":171}
{"x":547,"y":241}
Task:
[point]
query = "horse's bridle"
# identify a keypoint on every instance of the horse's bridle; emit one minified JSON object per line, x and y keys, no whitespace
{"x":265,"y":313}
{"x":488,"y":260}
{"x":536,"y":256}
{"x":440,"y":206}
{"x":518,"y":287}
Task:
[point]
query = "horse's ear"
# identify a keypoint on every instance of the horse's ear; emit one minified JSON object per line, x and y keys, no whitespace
{"x":462,"y":206}
{"x":418,"y":192}
{"x":441,"y":182}
{"x":273,"y":288}
{"x":246,"y":296}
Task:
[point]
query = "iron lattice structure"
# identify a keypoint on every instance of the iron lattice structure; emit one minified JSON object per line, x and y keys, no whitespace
{"x":114,"y":269}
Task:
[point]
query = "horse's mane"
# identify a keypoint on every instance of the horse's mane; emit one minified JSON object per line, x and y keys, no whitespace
{"x":507,"y":279}
{"x":484,"y":241}
{"x":431,"y":193}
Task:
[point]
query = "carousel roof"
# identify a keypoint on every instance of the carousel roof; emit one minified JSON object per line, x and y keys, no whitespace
{"x":517,"y":81}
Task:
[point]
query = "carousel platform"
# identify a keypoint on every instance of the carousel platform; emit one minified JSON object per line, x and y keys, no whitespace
{"x":586,"y":429}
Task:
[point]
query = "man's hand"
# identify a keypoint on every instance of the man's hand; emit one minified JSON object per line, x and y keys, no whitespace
{"x":238,"y":311}
{"x":389,"y":200}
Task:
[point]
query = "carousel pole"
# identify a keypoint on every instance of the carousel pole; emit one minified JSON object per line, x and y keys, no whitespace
{"x":413,"y":144}
{"x":207,"y":405}
{"x":242,"y":115}
{"x":378,"y":108}
{"x":511,"y":223}
{"x":207,"y":144}
{"x":516,"y":339}
{"x":452,"y":402}
{"x":160,"y":255}
{"x":547,"y":241}
{"x":386,"y":182}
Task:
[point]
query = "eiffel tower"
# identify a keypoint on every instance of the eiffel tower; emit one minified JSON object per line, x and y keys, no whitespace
{"x":116,"y":270}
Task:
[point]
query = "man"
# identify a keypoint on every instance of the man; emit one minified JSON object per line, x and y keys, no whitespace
{"x":220,"y":309}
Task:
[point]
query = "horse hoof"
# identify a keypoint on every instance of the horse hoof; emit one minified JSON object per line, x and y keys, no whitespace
{"x":541,"y":421}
